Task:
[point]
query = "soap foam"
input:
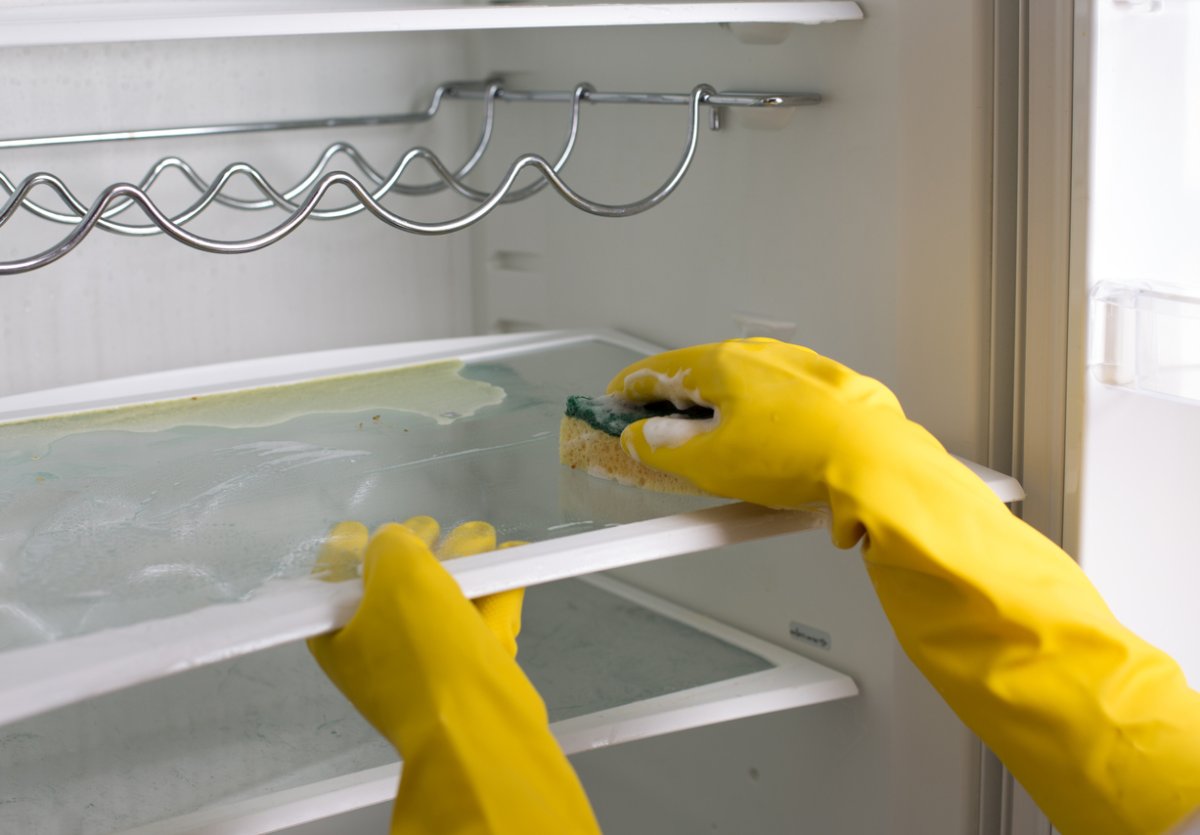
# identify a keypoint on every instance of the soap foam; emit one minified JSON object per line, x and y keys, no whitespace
{"x":670,"y":388}
{"x":671,"y":432}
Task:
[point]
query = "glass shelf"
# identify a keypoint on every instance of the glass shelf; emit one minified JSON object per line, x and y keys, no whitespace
{"x":142,"y":512}
{"x":27,"y":24}
{"x":153,"y":524}
{"x":139,"y":513}
{"x":263,"y":741}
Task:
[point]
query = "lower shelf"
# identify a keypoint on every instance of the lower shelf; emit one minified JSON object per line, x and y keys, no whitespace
{"x":264,"y":741}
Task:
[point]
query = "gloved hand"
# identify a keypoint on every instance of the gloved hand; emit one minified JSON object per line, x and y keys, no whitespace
{"x":436,"y":677}
{"x":1099,"y":726}
{"x":779,"y":412}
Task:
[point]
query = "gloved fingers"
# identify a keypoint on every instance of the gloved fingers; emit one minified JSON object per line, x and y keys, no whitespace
{"x":673,"y":445}
{"x":669,"y":432}
{"x":414,"y":635}
{"x":342,"y":552}
{"x":402,"y":579}
{"x":686,"y":377}
{"x":426,"y":528}
{"x":675,"y":376}
{"x":406,"y":587}
{"x":501,"y":612}
{"x":701,"y":374}
{"x":466,"y":540}
{"x":393,"y":552}
{"x":420,"y":664}
{"x":349,"y":649}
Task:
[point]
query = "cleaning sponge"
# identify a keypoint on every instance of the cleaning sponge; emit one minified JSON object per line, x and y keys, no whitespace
{"x":589,"y":439}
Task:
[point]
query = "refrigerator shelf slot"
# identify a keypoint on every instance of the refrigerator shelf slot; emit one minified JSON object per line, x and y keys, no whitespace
{"x":300,"y":201}
{"x":255,"y":744}
{"x":102,"y":22}
{"x":170,"y":521}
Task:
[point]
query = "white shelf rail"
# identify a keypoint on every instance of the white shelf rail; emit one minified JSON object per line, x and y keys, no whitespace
{"x":34,"y":24}
{"x":40,"y":678}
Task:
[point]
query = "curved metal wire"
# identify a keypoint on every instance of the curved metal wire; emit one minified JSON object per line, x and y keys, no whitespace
{"x":490,"y":96}
{"x":173,"y":227}
{"x":211,"y":192}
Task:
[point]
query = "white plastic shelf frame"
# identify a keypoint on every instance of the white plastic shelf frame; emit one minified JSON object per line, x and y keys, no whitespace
{"x":85,"y":21}
{"x":157,"y":532}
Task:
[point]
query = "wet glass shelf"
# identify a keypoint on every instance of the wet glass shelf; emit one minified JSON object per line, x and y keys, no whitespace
{"x":150,"y":525}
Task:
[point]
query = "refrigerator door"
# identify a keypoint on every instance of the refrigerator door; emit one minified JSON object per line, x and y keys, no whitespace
{"x":1139,"y":461}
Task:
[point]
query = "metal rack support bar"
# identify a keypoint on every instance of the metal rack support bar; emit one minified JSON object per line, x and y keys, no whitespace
{"x":725,"y":99}
{"x":435,"y":103}
{"x":467,"y":91}
{"x":212,"y":130}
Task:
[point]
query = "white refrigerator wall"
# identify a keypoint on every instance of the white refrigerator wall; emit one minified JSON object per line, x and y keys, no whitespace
{"x":119,"y":305}
{"x":864,"y":221}
{"x":1141,"y":452}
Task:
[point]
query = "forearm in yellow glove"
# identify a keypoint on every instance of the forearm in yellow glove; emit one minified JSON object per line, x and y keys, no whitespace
{"x":1099,"y":726}
{"x":435,"y":675}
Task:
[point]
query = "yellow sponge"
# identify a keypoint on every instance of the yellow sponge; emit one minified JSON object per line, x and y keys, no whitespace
{"x":582,"y":446}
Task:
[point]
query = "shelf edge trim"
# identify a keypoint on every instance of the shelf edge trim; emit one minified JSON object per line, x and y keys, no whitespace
{"x":43,"y":677}
{"x":72,"y":24}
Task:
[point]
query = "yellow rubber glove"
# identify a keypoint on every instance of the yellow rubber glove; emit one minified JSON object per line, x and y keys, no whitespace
{"x":1099,"y":726}
{"x":436,"y":677}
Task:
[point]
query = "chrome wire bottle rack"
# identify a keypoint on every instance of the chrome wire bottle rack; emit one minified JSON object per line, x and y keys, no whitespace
{"x":367,"y":190}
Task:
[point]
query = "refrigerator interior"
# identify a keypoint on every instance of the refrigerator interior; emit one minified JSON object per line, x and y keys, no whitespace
{"x":861,"y":226}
